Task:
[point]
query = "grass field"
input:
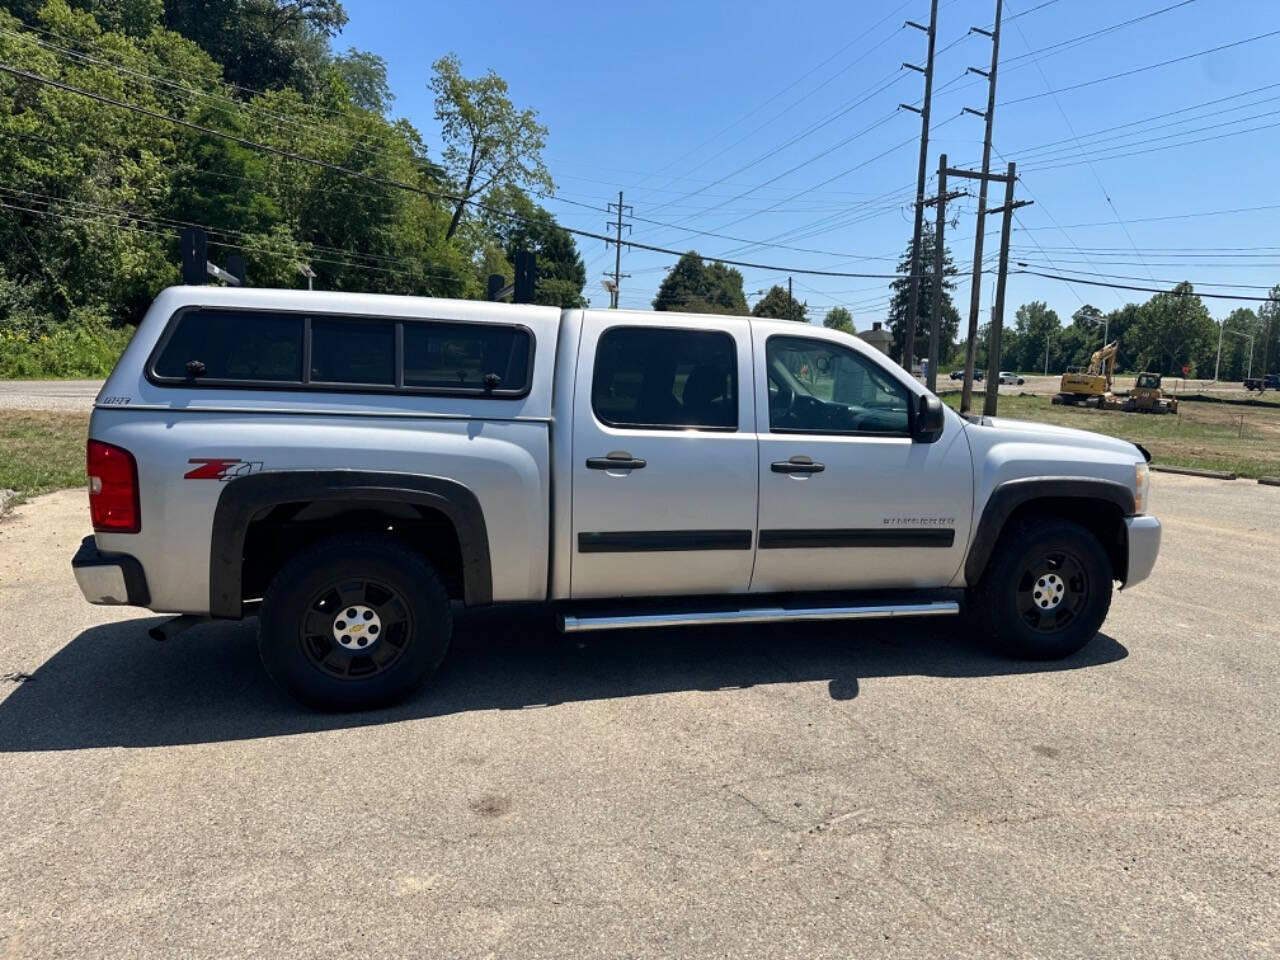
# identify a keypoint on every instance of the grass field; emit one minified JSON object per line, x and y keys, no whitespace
{"x":41,"y":451}
{"x":1215,"y":436}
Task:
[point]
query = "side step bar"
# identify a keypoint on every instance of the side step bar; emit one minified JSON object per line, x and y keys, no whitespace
{"x":578,"y":624}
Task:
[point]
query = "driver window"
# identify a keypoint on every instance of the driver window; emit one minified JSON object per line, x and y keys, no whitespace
{"x":821,"y":387}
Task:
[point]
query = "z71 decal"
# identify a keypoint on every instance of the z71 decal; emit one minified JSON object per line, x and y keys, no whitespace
{"x":221,"y":468}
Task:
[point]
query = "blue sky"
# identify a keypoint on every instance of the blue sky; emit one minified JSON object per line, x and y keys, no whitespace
{"x":779,"y":124}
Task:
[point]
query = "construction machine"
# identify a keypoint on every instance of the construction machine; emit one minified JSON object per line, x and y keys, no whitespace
{"x":1147,"y":397}
{"x":1091,"y":387}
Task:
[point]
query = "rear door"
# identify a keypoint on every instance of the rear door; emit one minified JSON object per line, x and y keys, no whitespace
{"x":664,"y":457}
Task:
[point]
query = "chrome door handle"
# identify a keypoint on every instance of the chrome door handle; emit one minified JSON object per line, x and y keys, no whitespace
{"x":798,"y":464}
{"x":616,"y":460}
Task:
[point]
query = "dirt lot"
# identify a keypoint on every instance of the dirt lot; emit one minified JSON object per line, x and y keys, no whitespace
{"x":889,"y":791}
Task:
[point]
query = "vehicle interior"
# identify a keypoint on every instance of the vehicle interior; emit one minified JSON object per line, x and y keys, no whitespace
{"x":822,"y":388}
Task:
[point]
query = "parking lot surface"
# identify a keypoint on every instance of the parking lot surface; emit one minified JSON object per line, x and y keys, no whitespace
{"x":815,"y":791}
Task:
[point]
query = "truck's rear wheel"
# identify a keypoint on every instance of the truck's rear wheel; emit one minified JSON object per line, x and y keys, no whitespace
{"x":354,"y":622}
{"x":1046,"y":591}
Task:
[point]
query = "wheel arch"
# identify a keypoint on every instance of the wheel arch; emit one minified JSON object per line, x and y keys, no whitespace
{"x":1098,"y":505}
{"x":321,"y":496}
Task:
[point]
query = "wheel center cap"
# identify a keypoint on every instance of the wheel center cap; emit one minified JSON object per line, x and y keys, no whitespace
{"x":356,"y":627}
{"x":1049,"y":591}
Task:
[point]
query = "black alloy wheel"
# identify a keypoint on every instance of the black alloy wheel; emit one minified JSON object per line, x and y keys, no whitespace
{"x":355,"y":628}
{"x":1053,"y":592}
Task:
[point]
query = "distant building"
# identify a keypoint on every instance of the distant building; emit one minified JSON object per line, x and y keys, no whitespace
{"x":878,"y":337}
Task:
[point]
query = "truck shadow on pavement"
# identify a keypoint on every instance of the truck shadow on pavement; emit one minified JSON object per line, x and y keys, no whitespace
{"x":112,"y":686}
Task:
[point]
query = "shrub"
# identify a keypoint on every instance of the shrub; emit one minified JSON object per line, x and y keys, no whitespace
{"x":73,"y":350}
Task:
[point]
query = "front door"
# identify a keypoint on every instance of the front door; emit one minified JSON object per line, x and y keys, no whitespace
{"x":664,"y":457}
{"x":847,"y":497}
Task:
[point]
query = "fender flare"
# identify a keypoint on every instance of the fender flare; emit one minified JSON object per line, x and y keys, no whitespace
{"x":1012,"y":494}
{"x":244,"y":497}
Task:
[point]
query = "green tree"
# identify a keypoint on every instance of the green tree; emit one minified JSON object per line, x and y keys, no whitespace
{"x":262,"y":44}
{"x":901,"y":302}
{"x":838,"y":318}
{"x":1121,"y":323}
{"x":693,"y":286}
{"x":1080,"y":338}
{"x":1036,"y":329}
{"x":561,"y":274}
{"x":1174,"y":329}
{"x":1269,"y":333}
{"x":1240,"y":332}
{"x":365,"y":75}
{"x":780,"y":305}
{"x":488,"y":143}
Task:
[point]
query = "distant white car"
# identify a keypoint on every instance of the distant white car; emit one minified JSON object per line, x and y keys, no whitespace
{"x":1007,"y":377}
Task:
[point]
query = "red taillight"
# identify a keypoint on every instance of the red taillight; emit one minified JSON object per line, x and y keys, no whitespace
{"x":113,"y":489}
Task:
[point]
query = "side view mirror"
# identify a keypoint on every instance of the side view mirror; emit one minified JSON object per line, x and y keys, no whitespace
{"x":929,"y":419}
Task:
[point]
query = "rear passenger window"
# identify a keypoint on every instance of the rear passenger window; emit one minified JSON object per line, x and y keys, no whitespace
{"x":658,"y":378}
{"x":462,"y":355}
{"x":234,"y":345}
{"x":353,"y":351}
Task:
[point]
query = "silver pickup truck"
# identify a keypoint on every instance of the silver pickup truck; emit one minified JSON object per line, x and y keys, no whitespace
{"x":352,"y":466}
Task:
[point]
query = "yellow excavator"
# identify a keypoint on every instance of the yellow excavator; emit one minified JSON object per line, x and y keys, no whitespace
{"x":1091,"y":387}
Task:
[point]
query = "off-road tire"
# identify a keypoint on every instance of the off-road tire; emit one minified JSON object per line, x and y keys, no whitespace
{"x":401,"y":611}
{"x":1046,"y":590}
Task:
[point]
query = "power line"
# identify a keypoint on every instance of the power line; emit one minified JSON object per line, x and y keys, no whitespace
{"x":1106,"y":144}
{"x":1145,"y":150}
{"x":28,"y":196}
{"x":1072,"y":130}
{"x":721,"y":236}
{"x":1137,"y":70}
{"x":321,"y":128}
{"x":1121,"y":276}
{"x":1062,"y":46}
{"x":855,"y":41}
{"x":1172,"y":216}
{"x":813,"y":128}
{"x":1123,"y":286}
{"x":376,"y":178}
{"x":165,"y":234}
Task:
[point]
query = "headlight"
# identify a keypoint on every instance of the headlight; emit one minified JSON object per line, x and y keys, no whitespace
{"x":1141,"y":488}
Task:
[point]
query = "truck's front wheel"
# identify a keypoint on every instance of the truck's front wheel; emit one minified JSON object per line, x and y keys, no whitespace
{"x":1046,"y":591}
{"x":354,"y":622}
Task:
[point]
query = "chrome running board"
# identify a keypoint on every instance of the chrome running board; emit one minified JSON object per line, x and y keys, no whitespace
{"x":578,"y":624}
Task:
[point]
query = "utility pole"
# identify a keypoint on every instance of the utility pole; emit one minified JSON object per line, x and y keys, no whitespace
{"x":975,"y":288}
{"x":939,"y":264}
{"x":616,"y":292}
{"x":1222,"y":325}
{"x":790,"y":301}
{"x":997,"y":316}
{"x":913,"y":299}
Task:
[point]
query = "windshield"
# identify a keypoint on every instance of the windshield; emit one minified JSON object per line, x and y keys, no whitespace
{"x":1148,"y":380}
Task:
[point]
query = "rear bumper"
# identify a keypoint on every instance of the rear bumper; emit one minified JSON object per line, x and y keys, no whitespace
{"x":110,"y":579}
{"x":1144,"y":544}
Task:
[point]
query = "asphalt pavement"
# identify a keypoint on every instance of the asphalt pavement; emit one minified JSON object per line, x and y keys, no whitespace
{"x":810,"y":791}
{"x":73,"y":395}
